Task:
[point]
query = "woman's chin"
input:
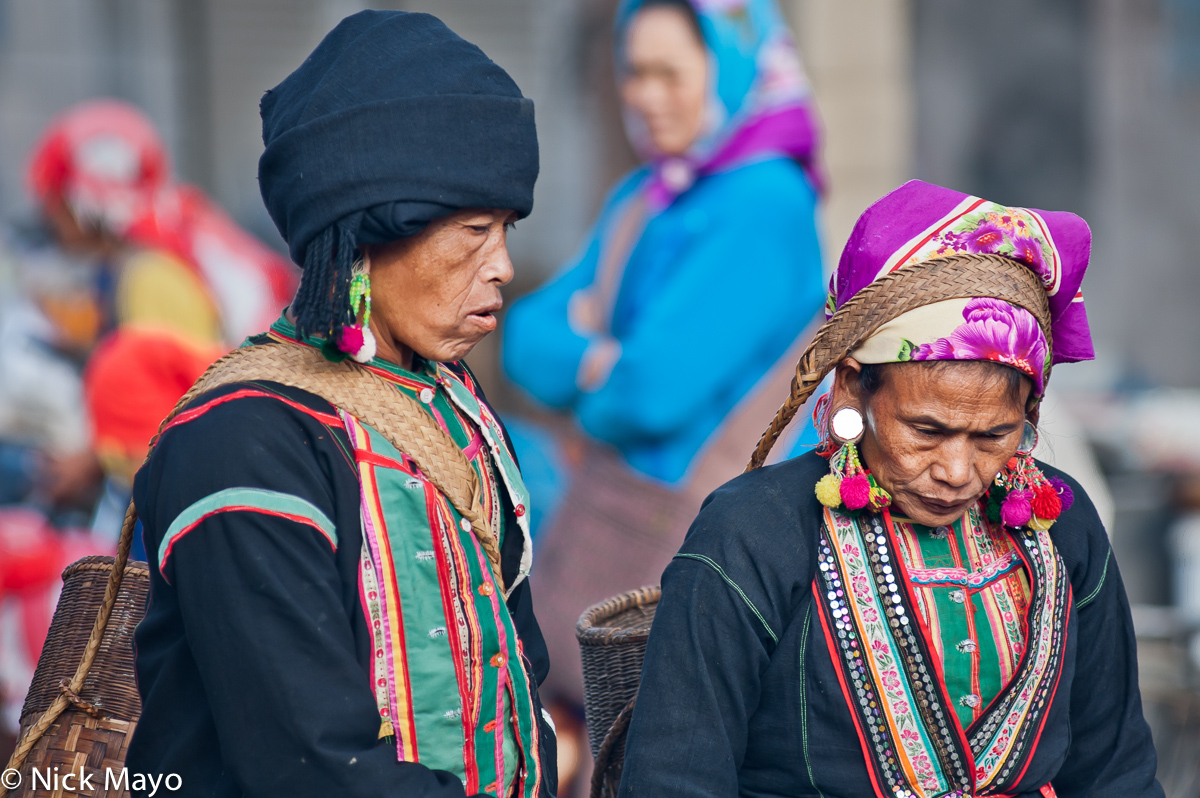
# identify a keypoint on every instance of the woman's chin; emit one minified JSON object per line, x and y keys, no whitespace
{"x":455,"y":349}
{"x":929,"y":512}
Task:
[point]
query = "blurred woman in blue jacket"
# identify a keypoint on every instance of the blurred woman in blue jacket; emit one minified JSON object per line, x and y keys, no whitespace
{"x":671,"y":337}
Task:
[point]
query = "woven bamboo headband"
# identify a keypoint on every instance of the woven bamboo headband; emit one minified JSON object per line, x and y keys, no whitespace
{"x":908,"y":288}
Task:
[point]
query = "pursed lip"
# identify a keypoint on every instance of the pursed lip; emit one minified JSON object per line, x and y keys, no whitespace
{"x":941,"y":506}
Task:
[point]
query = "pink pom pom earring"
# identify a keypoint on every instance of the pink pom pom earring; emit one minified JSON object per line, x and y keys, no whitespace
{"x":849,"y":484}
{"x":356,"y":339}
{"x":1021,"y":495}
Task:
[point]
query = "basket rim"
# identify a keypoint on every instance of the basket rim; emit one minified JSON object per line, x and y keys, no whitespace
{"x":104,"y":562}
{"x":588,"y":630}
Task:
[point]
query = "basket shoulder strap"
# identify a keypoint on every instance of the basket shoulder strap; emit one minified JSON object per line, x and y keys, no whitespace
{"x":396,"y":416}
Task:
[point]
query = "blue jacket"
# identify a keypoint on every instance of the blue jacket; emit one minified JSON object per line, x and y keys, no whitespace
{"x":718,"y":287}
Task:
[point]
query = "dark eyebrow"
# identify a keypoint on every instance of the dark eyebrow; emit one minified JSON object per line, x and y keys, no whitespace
{"x":929,"y":421}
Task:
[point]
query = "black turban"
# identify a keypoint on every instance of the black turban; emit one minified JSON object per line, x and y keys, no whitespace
{"x":392,"y":122}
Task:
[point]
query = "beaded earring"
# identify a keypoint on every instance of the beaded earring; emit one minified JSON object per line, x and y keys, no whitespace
{"x":356,"y":339}
{"x":848,"y":482}
{"x":1022,"y":495}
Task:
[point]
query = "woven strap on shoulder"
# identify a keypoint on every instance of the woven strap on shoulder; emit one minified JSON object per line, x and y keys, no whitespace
{"x":374,"y":401}
{"x":908,"y":288}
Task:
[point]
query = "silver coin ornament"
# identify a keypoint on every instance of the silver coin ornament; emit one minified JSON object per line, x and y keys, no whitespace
{"x":847,"y":425}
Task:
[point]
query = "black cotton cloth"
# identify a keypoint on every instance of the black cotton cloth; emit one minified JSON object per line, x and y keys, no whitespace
{"x":391,"y":122}
{"x":254,"y":662}
{"x":726,"y":708}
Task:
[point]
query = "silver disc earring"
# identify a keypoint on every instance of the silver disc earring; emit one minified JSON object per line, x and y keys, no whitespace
{"x":1029,"y":439}
{"x":847,"y":425}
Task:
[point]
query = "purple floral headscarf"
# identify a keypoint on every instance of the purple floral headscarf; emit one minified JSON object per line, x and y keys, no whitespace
{"x":919,"y":222}
{"x":760,"y":102}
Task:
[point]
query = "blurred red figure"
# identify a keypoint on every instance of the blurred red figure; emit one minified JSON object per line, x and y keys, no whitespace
{"x":178,"y":282}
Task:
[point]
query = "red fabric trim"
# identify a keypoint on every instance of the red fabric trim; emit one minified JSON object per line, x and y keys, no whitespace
{"x":382,"y":461}
{"x":288,"y":516}
{"x":470,"y":714}
{"x":1057,"y":678}
{"x":329,"y":419}
{"x":933,"y":233}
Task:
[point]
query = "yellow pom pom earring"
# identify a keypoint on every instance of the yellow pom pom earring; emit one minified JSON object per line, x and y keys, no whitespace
{"x":849,"y":484}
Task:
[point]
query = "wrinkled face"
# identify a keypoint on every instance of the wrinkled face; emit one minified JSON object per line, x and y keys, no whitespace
{"x":935,"y":438}
{"x":436,"y":293}
{"x":666,"y":81}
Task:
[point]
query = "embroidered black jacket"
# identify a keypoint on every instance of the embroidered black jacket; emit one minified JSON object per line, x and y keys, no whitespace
{"x":740,"y":692}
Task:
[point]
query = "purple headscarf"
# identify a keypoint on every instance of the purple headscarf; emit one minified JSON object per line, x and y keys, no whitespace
{"x":919,"y":222}
{"x":760,"y":101}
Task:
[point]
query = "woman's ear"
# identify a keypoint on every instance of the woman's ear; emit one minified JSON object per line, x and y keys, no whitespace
{"x":846,"y":392}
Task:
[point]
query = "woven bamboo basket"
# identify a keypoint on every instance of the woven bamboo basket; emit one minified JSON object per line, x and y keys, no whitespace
{"x":612,"y":641}
{"x":91,"y":735}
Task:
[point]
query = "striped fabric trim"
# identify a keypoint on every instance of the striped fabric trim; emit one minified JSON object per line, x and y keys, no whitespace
{"x":191,"y":414}
{"x":974,"y":580}
{"x":256,"y":500}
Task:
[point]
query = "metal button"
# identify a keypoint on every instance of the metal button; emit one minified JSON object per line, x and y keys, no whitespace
{"x":967,"y":646}
{"x":969,"y":700}
{"x":958,"y":596}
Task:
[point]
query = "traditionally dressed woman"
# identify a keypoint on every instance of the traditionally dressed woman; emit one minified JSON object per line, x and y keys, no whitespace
{"x":920,"y":609}
{"x":338,"y":530}
{"x":663,"y":338}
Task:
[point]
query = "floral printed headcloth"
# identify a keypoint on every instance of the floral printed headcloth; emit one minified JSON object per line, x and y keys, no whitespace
{"x":919,"y":222}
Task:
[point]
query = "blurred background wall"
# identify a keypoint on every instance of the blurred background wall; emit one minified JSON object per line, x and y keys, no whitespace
{"x":1086,"y":105}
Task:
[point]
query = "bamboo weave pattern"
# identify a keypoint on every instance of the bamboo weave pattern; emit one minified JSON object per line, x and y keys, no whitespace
{"x":954,"y":277}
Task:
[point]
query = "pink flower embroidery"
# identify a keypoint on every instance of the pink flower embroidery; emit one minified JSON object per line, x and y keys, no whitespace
{"x":993,"y":330}
{"x":1029,"y":251}
{"x":986,"y":238}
